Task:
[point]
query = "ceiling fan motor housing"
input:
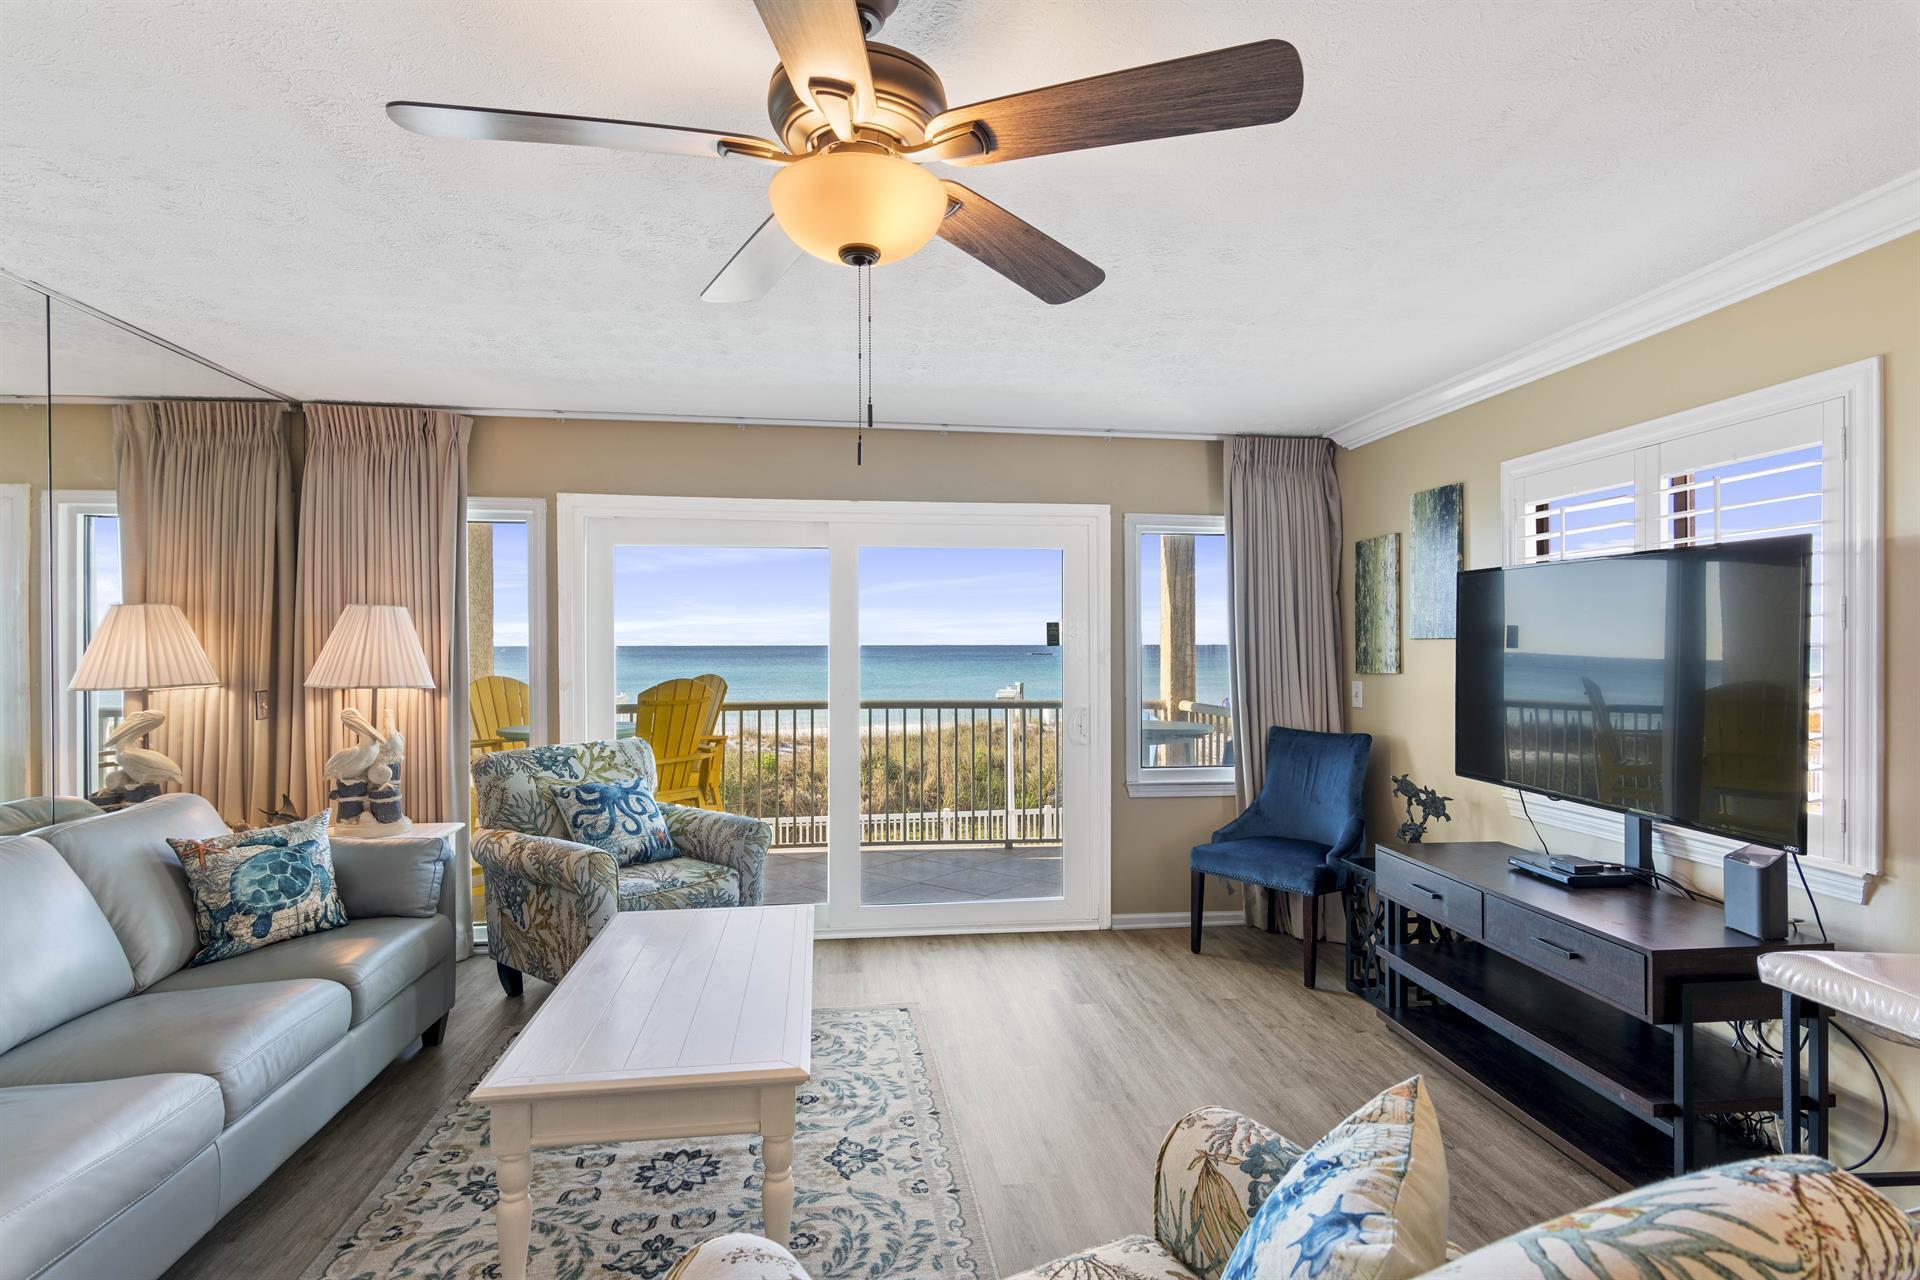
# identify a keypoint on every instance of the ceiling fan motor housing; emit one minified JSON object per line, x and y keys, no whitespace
{"x":907,"y":94}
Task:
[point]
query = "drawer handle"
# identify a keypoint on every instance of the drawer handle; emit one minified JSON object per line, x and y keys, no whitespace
{"x":1556,"y":947}
{"x":1437,"y":897}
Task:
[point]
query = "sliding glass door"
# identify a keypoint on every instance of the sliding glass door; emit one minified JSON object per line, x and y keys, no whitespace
{"x":906,"y":693}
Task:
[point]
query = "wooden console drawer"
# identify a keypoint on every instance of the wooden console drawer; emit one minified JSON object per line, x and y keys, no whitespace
{"x":1615,"y":973}
{"x":1428,"y":893}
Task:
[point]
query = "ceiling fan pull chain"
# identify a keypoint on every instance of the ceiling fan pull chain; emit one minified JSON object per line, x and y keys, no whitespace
{"x":866,"y":273}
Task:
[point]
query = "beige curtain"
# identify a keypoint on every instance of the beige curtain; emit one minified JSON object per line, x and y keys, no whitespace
{"x":206,"y":523}
{"x":1283,"y":594}
{"x":383,"y":521}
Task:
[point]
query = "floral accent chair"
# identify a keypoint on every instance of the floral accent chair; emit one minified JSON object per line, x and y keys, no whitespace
{"x":548,"y":897}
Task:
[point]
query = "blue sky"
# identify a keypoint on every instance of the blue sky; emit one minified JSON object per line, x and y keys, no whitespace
{"x":1209,"y":588}
{"x":908,"y":595}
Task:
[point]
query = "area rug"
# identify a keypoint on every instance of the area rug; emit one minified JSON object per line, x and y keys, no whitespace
{"x":880,"y":1185}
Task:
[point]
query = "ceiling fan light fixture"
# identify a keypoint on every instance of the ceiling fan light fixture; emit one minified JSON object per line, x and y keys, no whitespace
{"x":859,"y":204}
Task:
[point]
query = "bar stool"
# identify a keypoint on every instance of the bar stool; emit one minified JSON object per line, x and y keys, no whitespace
{"x":1878,"y":991}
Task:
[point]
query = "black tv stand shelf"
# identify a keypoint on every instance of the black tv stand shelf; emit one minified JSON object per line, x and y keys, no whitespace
{"x":1576,"y":1010}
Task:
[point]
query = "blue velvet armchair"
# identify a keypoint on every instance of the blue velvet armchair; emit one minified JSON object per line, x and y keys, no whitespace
{"x":1308,"y":816}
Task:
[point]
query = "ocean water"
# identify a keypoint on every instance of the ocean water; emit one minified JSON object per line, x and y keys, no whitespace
{"x":798,"y":673}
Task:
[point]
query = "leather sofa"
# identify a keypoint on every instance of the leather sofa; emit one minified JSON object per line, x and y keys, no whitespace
{"x":141,"y":1099}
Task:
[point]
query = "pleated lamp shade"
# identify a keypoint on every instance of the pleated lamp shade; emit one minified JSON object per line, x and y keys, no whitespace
{"x":373,"y":646}
{"x":144,"y":646}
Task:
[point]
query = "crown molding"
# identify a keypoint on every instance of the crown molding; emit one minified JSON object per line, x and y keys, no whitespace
{"x":1865,"y":222}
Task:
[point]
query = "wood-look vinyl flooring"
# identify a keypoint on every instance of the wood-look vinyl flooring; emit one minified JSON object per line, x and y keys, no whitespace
{"x":1065,"y":1057}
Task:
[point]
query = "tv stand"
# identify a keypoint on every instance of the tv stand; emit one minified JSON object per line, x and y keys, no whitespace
{"x":1576,"y":1011}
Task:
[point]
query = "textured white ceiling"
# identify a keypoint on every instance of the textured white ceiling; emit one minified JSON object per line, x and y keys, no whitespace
{"x":1461,"y":179}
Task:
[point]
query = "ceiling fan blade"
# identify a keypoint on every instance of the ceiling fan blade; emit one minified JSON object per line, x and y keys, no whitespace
{"x":1016,"y":249}
{"x":755,"y":267}
{"x":823,"y":48}
{"x":1235,"y":88}
{"x":444,"y":120}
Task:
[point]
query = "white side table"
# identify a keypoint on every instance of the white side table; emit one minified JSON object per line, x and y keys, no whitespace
{"x":455,"y":832}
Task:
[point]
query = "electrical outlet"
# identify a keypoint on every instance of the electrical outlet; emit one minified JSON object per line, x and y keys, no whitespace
{"x":1358,"y":700}
{"x":262,"y":704}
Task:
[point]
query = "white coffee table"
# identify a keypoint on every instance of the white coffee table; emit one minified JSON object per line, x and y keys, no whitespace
{"x":674,"y":1024}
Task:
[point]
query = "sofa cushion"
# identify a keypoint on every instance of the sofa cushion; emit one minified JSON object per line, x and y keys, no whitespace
{"x":1128,"y":1258}
{"x":375,"y":960}
{"x":35,"y":814}
{"x":621,"y":817}
{"x":1366,"y":1202}
{"x":77,"y":1154}
{"x":677,"y":883}
{"x":136,"y":878}
{"x":252,"y":889}
{"x":251,"y":1039}
{"x":391,"y":876}
{"x":1782,"y":1217}
{"x":62,"y":956}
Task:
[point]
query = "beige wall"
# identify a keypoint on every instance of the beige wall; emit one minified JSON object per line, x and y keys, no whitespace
{"x":1866,"y":306}
{"x":537,"y":458}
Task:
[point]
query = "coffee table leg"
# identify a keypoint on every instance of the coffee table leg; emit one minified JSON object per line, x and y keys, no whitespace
{"x":511,"y":1136}
{"x":776,"y":1155}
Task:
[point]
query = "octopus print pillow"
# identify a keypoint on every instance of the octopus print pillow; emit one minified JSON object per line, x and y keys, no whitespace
{"x":1366,"y":1202}
{"x":621,"y":817}
{"x":255,"y":888}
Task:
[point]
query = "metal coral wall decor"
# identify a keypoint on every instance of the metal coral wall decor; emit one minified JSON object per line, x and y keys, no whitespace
{"x":1376,"y":605}
{"x":1430,"y":802}
{"x":1433,"y":561}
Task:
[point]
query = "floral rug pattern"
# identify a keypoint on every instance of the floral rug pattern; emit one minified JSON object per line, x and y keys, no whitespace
{"x":880,"y":1185}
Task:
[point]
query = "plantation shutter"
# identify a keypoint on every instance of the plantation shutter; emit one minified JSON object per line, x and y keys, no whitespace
{"x":1764,"y":478}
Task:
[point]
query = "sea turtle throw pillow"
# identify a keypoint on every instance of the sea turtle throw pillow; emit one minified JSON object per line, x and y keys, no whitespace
{"x":621,"y":817}
{"x":252,"y":889}
{"x":1366,"y":1202}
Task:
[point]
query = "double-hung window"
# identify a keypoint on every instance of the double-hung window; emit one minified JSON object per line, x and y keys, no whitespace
{"x":1799,"y":458}
{"x":1179,"y":722}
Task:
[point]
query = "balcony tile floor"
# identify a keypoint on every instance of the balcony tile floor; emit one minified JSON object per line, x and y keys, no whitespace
{"x":933,"y":873}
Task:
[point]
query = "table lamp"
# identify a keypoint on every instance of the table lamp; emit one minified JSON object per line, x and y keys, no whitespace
{"x":136,"y":649}
{"x":373,"y":647}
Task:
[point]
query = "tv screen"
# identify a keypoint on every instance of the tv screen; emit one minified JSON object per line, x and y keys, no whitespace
{"x":1671,"y":684}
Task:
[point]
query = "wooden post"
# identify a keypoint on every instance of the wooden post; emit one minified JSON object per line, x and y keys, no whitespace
{"x":480,"y":599}
{"x":1177,"y":655}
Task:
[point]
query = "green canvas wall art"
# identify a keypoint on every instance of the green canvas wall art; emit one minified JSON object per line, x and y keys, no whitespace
{"x":1376,"y":605}
{"x":1433,"y":560}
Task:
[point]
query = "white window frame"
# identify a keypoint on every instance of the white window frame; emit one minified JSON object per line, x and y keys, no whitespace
{"x":1850,"y":397}
{"x":16,"y":684}
{"x":533,"y":513}
{"x":71,"y":509}
{"x":1142,"y":782}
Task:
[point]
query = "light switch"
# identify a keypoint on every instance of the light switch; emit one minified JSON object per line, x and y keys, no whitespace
{"x":1358,"y":700}
{"x":262,"y":704}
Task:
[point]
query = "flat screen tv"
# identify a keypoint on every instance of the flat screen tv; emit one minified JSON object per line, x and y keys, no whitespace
{"x":1671,"y":685}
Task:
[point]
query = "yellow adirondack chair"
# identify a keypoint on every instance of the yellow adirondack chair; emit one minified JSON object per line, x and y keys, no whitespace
{"x":715,"y":740}
{"x":495,"y":702}
{"x":675,"y":717}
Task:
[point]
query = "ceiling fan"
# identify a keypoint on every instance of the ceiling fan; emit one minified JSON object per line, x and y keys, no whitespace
{"x":857,"y":121}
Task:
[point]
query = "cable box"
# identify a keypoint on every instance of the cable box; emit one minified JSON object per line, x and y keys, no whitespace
{"x":1574,"y":873}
